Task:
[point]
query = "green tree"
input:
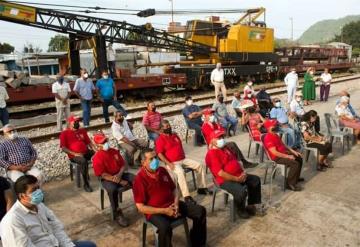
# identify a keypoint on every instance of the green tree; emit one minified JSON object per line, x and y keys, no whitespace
{"x":59,"y":43}
{"x":279,"y":43}
{"x":6,"y":48}
{"x":350,"y":34}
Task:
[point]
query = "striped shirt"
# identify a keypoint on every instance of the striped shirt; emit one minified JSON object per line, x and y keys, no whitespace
{"x":152,"y":120}
{"x":16,"y":152}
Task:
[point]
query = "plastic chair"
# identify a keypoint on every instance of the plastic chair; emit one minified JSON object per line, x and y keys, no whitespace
{"x":334,"y":131}
{"x":75,"y":166}
{"x":258,"y":144}
{"x":102,"y":195}
{"x":226,"y":198}
{"x":174,"y":224}
{"x":187,"y":170}
{"x":187,"y":130}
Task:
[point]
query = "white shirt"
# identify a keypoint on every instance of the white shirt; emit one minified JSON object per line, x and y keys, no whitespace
{"x":3,"y":97}
{"x":217,"y":75}
{"x":110,"y":54}
{"x":22,"y":227}
{"x":297,"y":108}
{"x":249,"y":89}
{"x":326,"y":78}
{"x":291,"y":79}
{"x":63,"y":90}
{"x":341,"y":110}
{"x":120,"y":131}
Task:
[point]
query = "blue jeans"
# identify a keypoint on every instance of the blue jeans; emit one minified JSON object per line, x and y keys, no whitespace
{"x":153,"y":136}
{"x":229,"y":120}
{"x":86,"y":107}
{"x":116,"y":104}
{"x":84,"y":244}
{"x":4,"y":116}
{"x":291,"y":136}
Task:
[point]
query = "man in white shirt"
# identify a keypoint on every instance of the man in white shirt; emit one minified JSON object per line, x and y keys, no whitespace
{"x":291,"y":81}
{"x":121,"y":130}
{"x":4,"y":114}
{"x":217,"y":79}
{"x":296,"y":106}
{"x":110,"y":55}
{"x":29,"y":223}
{"x":325,"y":85}
{"x":61,"y":90}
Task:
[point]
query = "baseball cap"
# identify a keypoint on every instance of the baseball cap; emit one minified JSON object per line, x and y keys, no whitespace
{"x":217,"y":134}
{"x":270,"y":123}
{"x":73,"y":118}
{"x":99,"y":138}
{"x":208,"y":111}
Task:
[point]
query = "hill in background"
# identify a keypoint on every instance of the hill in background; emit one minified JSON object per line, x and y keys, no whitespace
{"x":325,"y":31}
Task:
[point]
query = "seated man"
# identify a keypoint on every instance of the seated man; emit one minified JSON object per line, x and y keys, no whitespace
{"x":121,"y":130}
{"x":30,"y":223}
{"x":264,"y":102}
{"x":349,"y":106}
{"x":282,"y":154}
{"x":75,"y":142}
{"x":210,"y":125}
{"x":156,"y":196}
{"x":223,"y":116}
{"x":192,"y":114}
{"x":17,"y":155}
{"x":152,"y":120}
{"x":230,"y":175}
{"x":280,"y":114}
{"x":236,"y":104}
{"x":170,"y":151}
{"x":6,"y":197}
{"x":111,"y":168}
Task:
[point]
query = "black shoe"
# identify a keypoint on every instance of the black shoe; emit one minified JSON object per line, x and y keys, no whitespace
{"x":321,"y":168}
{"x":251,"y":210}
{"x":87,"y":188}
{"x":122,"y":221}
{"x":293,"y":187}
{"x":248,"y":164}
{"x":243,"y":214}
{"x":301,"y":179}
{"x":190,"y":200}
{"x":204,"y":191}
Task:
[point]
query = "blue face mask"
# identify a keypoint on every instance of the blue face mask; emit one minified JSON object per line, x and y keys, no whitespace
{"x":37,"y":197}
{"x":154,"y":165}
{"x":220,"y":143}
{"x":106,"y":146}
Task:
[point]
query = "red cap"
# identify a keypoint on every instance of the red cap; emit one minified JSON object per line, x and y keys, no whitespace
{"x":268,"y":124}
{"x":99,"y":138}
{"x":73,"y":118}
{"x":208,"y":111}
{"x":216,"y":134}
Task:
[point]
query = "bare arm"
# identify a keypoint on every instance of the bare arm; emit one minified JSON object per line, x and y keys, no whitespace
{"x":68,"y":151}
{"x":280,"y":155}
{"x":228,"y":176}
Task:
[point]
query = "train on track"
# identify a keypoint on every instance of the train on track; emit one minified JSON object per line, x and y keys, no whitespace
{"x":245,"y":48}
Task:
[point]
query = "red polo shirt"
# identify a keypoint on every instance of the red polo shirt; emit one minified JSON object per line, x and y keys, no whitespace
{"x":222,"y":159}
{"x":152,"y":119}
{"x":170,"y":146}
{"x":157,"y":191}
{"x":207,"y":128}
{"x":273,"y":140}
{"x":75,"y":140}
{"x":109,"y":162}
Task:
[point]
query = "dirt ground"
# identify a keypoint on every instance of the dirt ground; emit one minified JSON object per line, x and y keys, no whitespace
{"x":325,"y":213}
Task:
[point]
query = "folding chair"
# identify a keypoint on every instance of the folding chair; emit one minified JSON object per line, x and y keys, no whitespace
{"x":226,"y":199}
{"x":258,"y":145}
{"x":334,"y":131}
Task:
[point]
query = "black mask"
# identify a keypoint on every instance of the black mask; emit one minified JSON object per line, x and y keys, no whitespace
{"x":120,"y":119}
{"x":153,"y":109}
{"x":167,"y":131}
{"x":221,"y":99}
{"x":61,"y":80}
{"x":76,"y":125}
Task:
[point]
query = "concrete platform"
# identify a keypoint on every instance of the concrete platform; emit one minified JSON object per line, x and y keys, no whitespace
{"x":326,"y":213}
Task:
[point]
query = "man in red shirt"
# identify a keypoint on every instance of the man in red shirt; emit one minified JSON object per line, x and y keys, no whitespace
{"x":156,"y":196}
{"x":170,"y":151}
{"x":152,"y":121}
{"x":282,"y":154}
{"x":110,"y":166}
{"x":75,"y":142}
{"x":210,"y":125}
{"x":230,"y":175}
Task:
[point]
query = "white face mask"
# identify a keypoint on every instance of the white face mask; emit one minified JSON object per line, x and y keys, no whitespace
{"x":13,"y":135}
{"x":311,"y":72}
{"x":220,"y":143}
{"x":298,"y":99}
{"x":86,"y":75}
{"x":212,"y":119}
{"x":106,"y":146}
{"x":249,"y":95}
{"x":250,"y":84}
{"x":278,"y":104}
{"x":105,"y":77}
{"x":189,"y":102}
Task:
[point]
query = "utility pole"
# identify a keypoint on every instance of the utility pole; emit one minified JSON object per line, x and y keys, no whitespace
{"x":292,"y":28}
{"x":172,"y":10}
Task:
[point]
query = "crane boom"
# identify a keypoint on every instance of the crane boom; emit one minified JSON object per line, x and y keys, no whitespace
{"x":110,"y":30}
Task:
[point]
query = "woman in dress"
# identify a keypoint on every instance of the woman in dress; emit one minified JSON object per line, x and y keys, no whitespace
{"x":316,"y":140}
{"x":255,"y":121}
{"x":308,"y":89}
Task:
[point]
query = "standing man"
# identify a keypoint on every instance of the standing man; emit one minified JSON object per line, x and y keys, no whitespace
{"x":61,"y":90}
{"x":106,"y":92}
{"x":4,"y":114}
{"x":17,"y":155}
{"x":84,"y":89}
{"x":217,"y":79}
{"x":192,"y":114}
{"x":291,"y":81}
{"x":111,"y":58}
{"x":156,"y":196}
{"x":76,"y":143}
{"x":325,"y":85}
{"x":152,"y":121}
{"x":111,"y":168}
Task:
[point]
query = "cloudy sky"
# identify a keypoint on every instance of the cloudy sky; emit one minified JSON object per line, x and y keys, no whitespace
{"x":304,"y":13}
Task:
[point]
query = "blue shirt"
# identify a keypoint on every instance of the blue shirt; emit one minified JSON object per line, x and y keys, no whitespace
{"x":84,"y":88}
{"x":351,"y":109}
{"x":280,"y":114}
{"x":236,"y":103}
{"x":190,"y":109}
{"x":106,"y":88}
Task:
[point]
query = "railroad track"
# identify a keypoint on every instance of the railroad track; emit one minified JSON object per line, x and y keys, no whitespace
{"x":171,"y":112}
